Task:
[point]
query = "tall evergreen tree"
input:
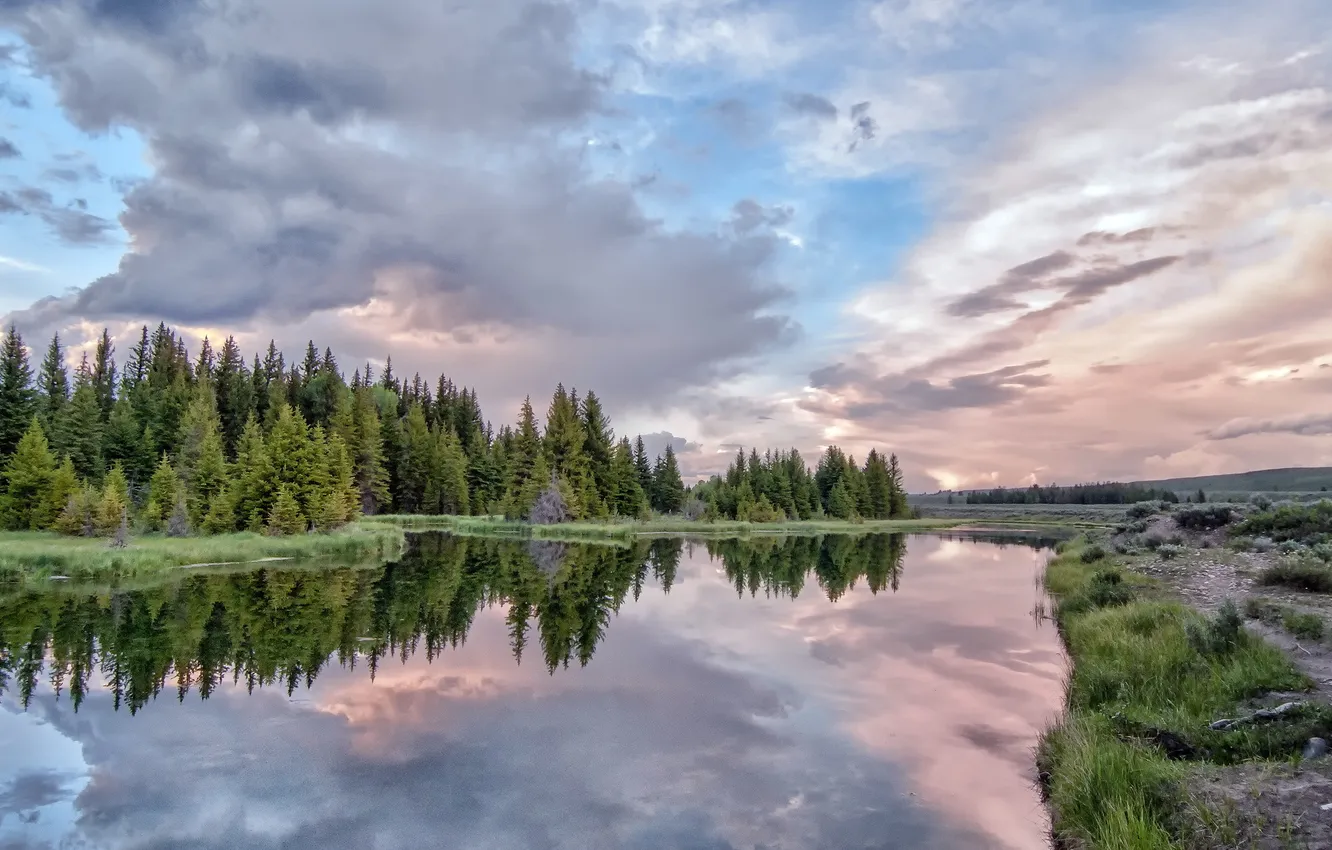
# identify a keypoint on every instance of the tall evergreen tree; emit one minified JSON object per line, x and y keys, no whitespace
{"x":415,"y":462}
{"x":643,"y":466}
{"x":368,"y":459}
{"x":528,"y":470}
{"x":564,"y":444}
{"x":896,"y":489}
{"x":235,"y":394}
{"x":28,"y":475}
{"x":104,"y":374}
{"x":78,"y":427}
{"x":599,"y":445}
{"x":446,"y":488}
{"x":254,"y":480}
{"x":52,"y":385}
{"x":18,"y":399}
{"x":668,"y":488}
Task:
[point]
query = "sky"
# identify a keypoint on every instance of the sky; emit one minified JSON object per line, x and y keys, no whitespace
{"x":1012,"y":241}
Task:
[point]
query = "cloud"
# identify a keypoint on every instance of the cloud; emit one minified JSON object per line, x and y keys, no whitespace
{"x":1304,"y":425}
{"x":407,"y":179}
{"x":749,"y":215}
{"x":863,"y":126}
{"x":71,"y":222}
{"x":1168,"y":269}
{"x":8,"y":150}
{"x":30,"y":791}
{"x":812,"y":105}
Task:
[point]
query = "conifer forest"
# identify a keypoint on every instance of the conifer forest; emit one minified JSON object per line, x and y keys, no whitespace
{"x":210,"y":442}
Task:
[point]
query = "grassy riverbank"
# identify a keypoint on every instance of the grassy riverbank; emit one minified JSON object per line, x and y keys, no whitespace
{"x":42,"y":553}
{"x":1148,"y":677}
{"x":627,"y":530}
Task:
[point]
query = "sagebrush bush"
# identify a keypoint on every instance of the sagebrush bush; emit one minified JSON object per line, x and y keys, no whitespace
{"x":1142,"y":510}
{"x":1170,"y":551}
{"x":1307,"y":626}
{"x":1262,"y":545}
{"x":1299,"y":573}
{"x":1292,"y":521}
{"x":1204,"y":517}
{"x":1218,"y":634}
{"x":1093,"y":553}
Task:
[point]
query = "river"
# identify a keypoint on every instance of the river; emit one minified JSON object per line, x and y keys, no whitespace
{"x":836,"y":692}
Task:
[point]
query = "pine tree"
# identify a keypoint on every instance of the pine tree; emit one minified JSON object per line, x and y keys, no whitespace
{"x":28,"y":476}
{"x":291,"y":455}
{"x":841,"y":504}
{"x":879,"y":486}
{"x":235,"y":394}
{"x":78,"y":517}
{"x":201,"y":459}
{"x":78,"y":429}
{"x":896,"y":490}
{"x":415,"y":463}
{"x":286,"y":518}
{"x":124,"y":441}
{"x":446,"y":488}
{"x":599,"y":446}
{"x":18,"y":400}
{"x":254,"y":479}
{"x":367,"y":448}
{"x":163,"y":492}
{"x":667,"y":486}
{"x":642,"y":466}
{"x":52,"y":386}
{"x":627,"y":496}
{"x":104,"y":374}
{"x":206,"y":365}
{"x":526,"y":454}
{"x":114,"y":503}
{"x":64,"y":485}
{"x":136,"y":370}
{"x":564,"y":441}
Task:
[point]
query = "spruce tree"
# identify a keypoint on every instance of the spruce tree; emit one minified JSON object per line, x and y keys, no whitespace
{"x":841,"y":504}
{"x":668,"y":486}
{"x":78,"y":428}
{"x":235,"y":394}
{"x":163,"y":492}
{"x":524,"y":456}
{"x":64,"y":485}
{"x":104,"y":374}
{"x":114,"y":502}
{"x":28,"y":476}
{"x":599,"y":446}
{"x":896,"y":490}
{"x":18,"y":399}
{"x":627,"y":497}
{"x":879,"y":486}
{"x":286,"y":518}
{"x":367,"y":449}
{"x":254,"y":478}
{"x":564,"y":444}
{"x":642,"y":466}
{"x":416,"y":461}
{"x":446,"y":488}
{"x":201,"y":459}
{"x":291,"y":455}
{"x":124,"y":441}
{"x":52,"y":386}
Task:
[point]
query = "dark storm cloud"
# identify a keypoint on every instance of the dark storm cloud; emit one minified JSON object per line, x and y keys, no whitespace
{"x":313,"y":155}
{"x":803,"y":103}
{"x":71,"y":222}
{"x":1104,"y":237}
{"x":8,"y":150}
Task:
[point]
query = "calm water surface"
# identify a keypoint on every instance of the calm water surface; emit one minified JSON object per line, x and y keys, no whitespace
{"x":875,"y":692}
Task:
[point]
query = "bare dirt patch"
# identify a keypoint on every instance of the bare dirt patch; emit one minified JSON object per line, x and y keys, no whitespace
{"x":1263,"y":806}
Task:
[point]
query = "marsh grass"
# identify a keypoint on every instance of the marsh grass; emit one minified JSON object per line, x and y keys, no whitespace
{"x":45,"y":554}
{"x":1144,"y":671}
{"x":626,"y":530}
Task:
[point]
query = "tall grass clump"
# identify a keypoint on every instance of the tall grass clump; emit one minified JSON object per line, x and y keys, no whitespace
{"x":1148,"y":676}
{"x":1304,"y":573}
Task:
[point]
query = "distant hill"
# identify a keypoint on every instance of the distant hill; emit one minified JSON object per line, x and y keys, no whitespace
{"x":1309,"y":479}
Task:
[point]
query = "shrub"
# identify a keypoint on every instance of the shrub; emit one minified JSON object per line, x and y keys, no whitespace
{"x":1105,"y":589}
{"x":1093,"y":553}
{"x":1142,"y":510}
{"x":1170,"y":551}
{"x":1262,"y":544}
{"x":1322,"y":551}
{"x":1259,"y":501}
{"x":1204,"y":517}
{"x":1298,"y":573}
{"x":1291,"y":547}
{"x":1217,"y":635}
{"x":1290,"y":521}
{"x":1308,"y":626}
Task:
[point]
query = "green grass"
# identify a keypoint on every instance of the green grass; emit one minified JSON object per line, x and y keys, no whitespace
{"x":1298,"y":573}
{"x":1143,"y":666}
{"x":628,"y":529}
{"x":1305,"y":626}
{"x":46,"y":554}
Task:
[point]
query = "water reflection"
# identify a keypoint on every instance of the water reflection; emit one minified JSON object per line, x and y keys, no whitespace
{"x":802,"y":711}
